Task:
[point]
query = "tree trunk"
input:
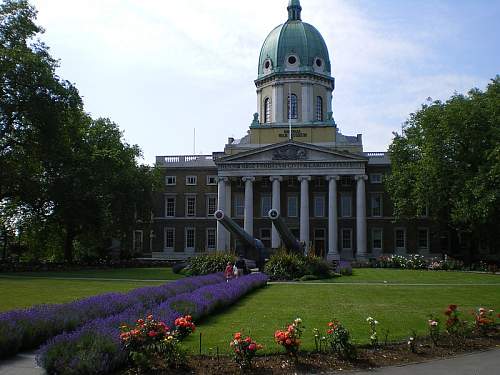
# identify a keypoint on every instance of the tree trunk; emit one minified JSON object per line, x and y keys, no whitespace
{"x":68,"y":245}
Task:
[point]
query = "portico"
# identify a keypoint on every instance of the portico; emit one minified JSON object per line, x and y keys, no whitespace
{"x":300,"y":162}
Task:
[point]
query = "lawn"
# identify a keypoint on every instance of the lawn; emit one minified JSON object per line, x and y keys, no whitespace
{"x":399,"y":308}
{"x":25,"y":289}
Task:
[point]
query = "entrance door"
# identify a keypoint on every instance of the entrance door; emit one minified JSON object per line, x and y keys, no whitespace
{"x":319,"y":242}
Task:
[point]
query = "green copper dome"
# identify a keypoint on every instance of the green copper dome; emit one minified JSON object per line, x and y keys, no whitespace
{"x":294,"y":46}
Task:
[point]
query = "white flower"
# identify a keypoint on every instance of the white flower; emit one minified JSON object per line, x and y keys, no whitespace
{"x":369,"y":319}
{"x":376,"y":322}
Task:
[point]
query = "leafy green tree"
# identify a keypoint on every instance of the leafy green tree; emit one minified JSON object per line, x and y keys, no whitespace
{"x":65,"y":178}
{"x":448,"y":159}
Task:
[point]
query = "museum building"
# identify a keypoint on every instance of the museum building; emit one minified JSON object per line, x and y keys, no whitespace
{"x":293,"y":158}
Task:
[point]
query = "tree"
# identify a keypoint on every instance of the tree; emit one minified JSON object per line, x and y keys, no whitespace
{"x":64,"y":177}
{"x":448,"y":159}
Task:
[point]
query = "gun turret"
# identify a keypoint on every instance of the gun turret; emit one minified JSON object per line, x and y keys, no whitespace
{"x":286,"y":235}
{"x":254,"y":248}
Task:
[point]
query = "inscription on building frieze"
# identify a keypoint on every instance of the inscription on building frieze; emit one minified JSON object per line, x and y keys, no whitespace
{"x":292,"y":165}
{"x":289,"y":153}
{"x":296,"y":133}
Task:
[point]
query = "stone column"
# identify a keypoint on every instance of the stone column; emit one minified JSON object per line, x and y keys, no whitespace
{"x":260,"y":109}
{"x":222,"y":233}
{"x":328,"y":101}
{"x":228,"y":211}
{"x":275,"y":237}
{"x":278,"y":105}
{"x":360,"y":217}
{"x":304,"y":210}
{"x":333,"y":251}
{"x":248,"y":215}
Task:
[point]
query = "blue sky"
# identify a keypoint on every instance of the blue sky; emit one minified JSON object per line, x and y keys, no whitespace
{"x":161,"y":68}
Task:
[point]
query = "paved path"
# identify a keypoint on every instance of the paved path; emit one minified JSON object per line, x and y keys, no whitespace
{"x":21,"y":364}
{"x":482,"y":363}
{"x":84,"y":278}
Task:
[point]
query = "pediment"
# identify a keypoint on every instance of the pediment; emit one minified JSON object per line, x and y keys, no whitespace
{"x":291,"y":151}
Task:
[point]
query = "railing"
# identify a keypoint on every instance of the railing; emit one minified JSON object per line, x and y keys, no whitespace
{"x":176,"y":159}
{"x":376,"y":154}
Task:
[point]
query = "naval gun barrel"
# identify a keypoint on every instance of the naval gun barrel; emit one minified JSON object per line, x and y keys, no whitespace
{"x":286,"y":235}
{"x":248,"y":240}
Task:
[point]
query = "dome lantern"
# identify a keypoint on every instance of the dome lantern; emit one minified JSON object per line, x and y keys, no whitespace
{"x":294,"y":10}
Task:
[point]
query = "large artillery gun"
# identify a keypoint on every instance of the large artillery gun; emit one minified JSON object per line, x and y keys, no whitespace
{"x":289,"y":240}
{"x":253,"y":248}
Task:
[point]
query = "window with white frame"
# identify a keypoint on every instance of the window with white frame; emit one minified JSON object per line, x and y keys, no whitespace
{"x":376,"y":178}
{"x":191,"y":180}
{"x":169,"y":238}
{"x":292,"y":107}
{"x":377,"y":238}
{"x":239,"y":205}
{"x":423,"y":238}
{"x":191,"y":205}
{"x":345,"y":205}
{"x":138,"y":240}
{"x":376,"y":204}
{"x":265,"y":204}
{"x":211,"y":180}
{"x":267,"y":110}
{"x":400,"y":238}
{"x":319,"y":108}
{"x":169,"y":206}
{"x":346,"y":239}
{"x":170,"y":180}
{"x":292,"y":206}
{"x":211,"y":204}
{"x":211,"y":238}
{"x":319,"y":205}
{"x":189,"y":238}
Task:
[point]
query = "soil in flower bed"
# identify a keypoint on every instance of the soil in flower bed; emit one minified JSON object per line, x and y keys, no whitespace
{"x":385,"y":355}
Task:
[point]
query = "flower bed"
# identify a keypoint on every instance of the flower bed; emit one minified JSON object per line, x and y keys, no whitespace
{"x":95,"y":348}
{"x":28,"y":328}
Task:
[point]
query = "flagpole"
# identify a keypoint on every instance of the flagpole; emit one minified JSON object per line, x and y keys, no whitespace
{"x":289,"y":113}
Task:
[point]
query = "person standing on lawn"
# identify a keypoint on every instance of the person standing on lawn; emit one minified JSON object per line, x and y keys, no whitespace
{"x":229,"y":273}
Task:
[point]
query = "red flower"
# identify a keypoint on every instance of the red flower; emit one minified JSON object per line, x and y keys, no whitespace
{"x":152,"y":333}
{"x":252,"y":347}
{"x":237,"y":336}
{"x":452,"y":307}
{"x":150,"y":317}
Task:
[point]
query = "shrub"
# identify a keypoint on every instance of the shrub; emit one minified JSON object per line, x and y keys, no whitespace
{"x":151,"y":345}
{"x":244,"y":350}
{"x":289,"y":338}
{"x":339,"y":339}
{"x":344,"y":268}
{"x":290,"y":266}
{"x":308,"y":278}
{"x":208,"y":263}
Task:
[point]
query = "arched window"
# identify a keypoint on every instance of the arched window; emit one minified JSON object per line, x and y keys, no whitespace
{"x":292,"y":107}
{"x":267,"y":110}
{"x":319,"y":108}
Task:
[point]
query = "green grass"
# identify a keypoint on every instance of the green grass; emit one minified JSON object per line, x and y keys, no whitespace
{"x":396,"y":276}
{"x":118,"y":273}
{"x":25,"y":292}
{"x":399,"y":308}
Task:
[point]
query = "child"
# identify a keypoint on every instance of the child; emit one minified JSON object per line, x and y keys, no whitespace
{"x":229,"y":271}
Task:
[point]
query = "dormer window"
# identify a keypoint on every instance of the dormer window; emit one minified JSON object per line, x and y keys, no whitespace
{"x":267,"y":66}
{"x":292,"y":62}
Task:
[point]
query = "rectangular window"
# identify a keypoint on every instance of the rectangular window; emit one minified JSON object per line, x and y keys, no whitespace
{"x":423,"y":238}
{"x":170,"y":180}
{"x":376,"y":178}
{"x":211,"y":180}
{"x":191,"y":180}
{"x":265,"y":204}
{"x":400,"y":238}
{"x":211,"y":204}
{"x":292,"y":181}
{"x":239,"y":205}
{"x":169,"y":238}
{"x":138,"y":240}
{"x":292,"y":203}
{"x":189,"y":238}
{"x":377,"y":239}
{"x":191,"y":206}
{"x":265,"y":237}
{"x":319,"y":182}
{"x":319,"y":205}
{"x":346,"y":239}
{"x":211,"y":238}
{"x":345,"y":205}
{"x":169,"y":206}
{"x":376,"y":204}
